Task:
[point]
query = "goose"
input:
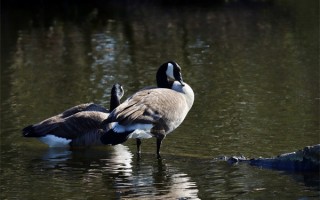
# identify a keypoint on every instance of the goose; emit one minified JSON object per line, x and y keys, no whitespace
{"x":152,"y":111}
{"x":78,"y":126}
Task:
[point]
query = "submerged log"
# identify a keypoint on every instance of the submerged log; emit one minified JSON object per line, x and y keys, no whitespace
{"x":307,"y":159}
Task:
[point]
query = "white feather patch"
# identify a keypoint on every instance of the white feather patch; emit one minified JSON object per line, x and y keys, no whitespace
{"x":141,"y":134}
{"x":54,"y":141}
{"x":141,"y":131}
{"x":120,"y":128}
{"x":169,"y":71}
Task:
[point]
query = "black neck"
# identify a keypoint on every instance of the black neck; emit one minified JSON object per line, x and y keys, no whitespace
{"x":114,"y":102}
{"x":162,"y":80}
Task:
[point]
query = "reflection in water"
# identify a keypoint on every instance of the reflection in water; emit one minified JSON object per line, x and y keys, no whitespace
{"x":115,"y":171}
{"x":121,"y":159}
{"x":56,"y":154}
{"x":108,"y":48}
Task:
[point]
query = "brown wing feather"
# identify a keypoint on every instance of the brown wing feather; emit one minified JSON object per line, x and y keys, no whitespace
{"x":79,"y":124}
{"x":148,"y":106}
{"x":91,"y":138}
{"x":83,"y":107}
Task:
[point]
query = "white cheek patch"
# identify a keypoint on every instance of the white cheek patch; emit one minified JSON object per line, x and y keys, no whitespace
{"x":169,"y":71}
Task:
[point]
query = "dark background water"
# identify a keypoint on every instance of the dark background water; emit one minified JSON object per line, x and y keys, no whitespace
{"x":253,"y":65}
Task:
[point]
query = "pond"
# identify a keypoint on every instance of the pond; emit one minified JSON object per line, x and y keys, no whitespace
{"x":253,"y":66}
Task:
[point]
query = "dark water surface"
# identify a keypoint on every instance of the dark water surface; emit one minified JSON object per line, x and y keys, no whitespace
{"x":253,"y":66}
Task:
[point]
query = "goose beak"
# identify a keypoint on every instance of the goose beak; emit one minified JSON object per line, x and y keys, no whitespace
{"x":181,"y":82}
{"x":179,"y":78}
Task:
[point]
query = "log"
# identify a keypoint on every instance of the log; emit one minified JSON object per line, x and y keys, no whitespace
{"x":306,"y":159}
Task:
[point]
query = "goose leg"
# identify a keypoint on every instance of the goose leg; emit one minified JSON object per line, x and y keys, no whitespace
{"x":138,"y":146}
{"x":159,"y":142}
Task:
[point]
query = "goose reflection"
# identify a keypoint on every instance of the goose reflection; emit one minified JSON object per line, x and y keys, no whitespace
{"x":111,"y":159}
{"x":113,"y":172}
{"x":56,"y":154}
{"x":169,"y":182}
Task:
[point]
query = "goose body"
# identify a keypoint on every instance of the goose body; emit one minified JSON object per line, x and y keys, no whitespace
{"x":80,"y":125}
{"x":151,"y":112}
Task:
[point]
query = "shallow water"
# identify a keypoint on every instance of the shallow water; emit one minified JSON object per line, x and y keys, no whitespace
{"x":252,"y":65}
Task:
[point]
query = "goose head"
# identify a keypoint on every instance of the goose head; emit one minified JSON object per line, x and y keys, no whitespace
{"x":117,"y":90}
{"x":168,"y":73}
{"x":117,"y":93}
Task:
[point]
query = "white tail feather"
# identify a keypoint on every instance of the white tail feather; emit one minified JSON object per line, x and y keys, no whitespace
{"x":54,"y":141}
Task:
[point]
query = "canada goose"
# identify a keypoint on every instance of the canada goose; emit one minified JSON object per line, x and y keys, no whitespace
{"x":77,"y":126}
{"x":151,"y":112}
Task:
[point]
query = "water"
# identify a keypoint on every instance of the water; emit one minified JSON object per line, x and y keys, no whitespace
{"x":252,"y":65}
